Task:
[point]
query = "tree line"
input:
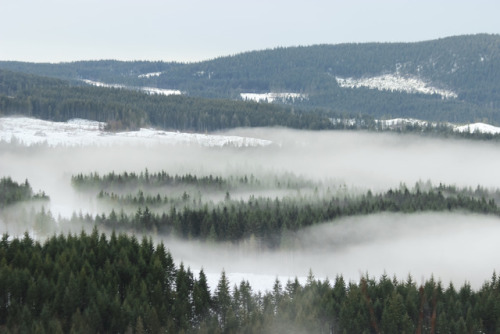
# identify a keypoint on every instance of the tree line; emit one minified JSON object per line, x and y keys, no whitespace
{"x":273,"y":222}
{"x":12,"y":192}
{"x":121,"y":109}
{"x":58,"y":100}
{"x":145,"y":179}
{"x":92,"y":283}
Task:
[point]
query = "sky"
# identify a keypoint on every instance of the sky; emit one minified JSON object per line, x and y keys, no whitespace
{"x":195,"y":30}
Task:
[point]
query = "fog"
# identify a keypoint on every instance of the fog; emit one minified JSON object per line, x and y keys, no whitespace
{"x":449,"y":247}
{"x":452,"y":246}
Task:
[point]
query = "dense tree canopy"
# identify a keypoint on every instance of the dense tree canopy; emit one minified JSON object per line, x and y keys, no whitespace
{"x":57,"y":100}
{"x":271,"y":221}
{"x":90,"y":283}
{"x":467,"y":65}
{"x":12,"y":192}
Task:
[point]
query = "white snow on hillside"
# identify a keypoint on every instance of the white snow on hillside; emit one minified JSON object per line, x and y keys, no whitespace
{"x":403,"y":121}
{"x":149,"y":75}
{"x":271,"y":97}
{"x":78,"y":132}
{"x":102,"y":84}
{"x":478,"y":127}
{"x":149,"y":90}
{"x":395,"y":82}
{"x":472,"y":128}
{"x":161,"y":91}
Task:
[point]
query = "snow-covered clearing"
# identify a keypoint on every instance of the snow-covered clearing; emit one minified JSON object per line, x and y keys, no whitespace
{"x":472,"y":128}
{"x":149,"y":90}
{"x":396,"y":82}
{"x":403,"y":121}
{"x":102,"y":84}
{"x":79,"y":132}
{"x":272,"y":97}
{"x":149,"y":75}
{"x":478,"y":127}
{"x":161,"y":91}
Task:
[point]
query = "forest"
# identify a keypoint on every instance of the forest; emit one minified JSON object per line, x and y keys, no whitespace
{"x":57,"y":100}
{"x":121,"y":109}
{"x":468,"y":65}
{"x":69,"y":281}
{"x":12,"y":192}
{"x":344,"y":223}
{"x":91,"y":283}
{"x":271,"y":222}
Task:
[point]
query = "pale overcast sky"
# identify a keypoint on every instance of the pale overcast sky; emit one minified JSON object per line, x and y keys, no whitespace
{"x":192,"y":30}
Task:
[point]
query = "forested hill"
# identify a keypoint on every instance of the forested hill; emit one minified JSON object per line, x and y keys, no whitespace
{"x":452,"y":79}
{"x":58,"y":100}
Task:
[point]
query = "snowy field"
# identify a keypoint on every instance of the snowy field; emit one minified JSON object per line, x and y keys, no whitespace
{"x":79,"y":132}
{"x":395,"y":82}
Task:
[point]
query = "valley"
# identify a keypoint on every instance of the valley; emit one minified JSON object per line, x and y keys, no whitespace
{"x":323,"y":188}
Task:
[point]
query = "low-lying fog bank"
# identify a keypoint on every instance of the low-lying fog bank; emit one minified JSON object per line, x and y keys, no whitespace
{"x":357,"y":159}
{"x":454,"y":246}
{"x":450,"y":246}
{"x":381,"y":160}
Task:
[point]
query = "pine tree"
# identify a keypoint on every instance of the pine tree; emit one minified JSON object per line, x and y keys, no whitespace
{"x":222,"y":300}
{"x":201,"y":298}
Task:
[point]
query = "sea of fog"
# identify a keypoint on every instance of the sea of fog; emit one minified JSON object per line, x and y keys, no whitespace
{"x":454,"y":246}
{"x":449,"y":247}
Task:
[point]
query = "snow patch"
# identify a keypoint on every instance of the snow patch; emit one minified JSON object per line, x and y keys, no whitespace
{"x":149,"y":75}
{"x":160,"y":91}
{"x":471,"y":128}
{"x":271,"y":97}
{"x":80,"y":132}
{"x":344,"y":121}
{"x":102,"y":84}
{"x":392,"y":82}
{"x":149,"y":90}
{"x":403,"y":121}
{"x":478,"y":127}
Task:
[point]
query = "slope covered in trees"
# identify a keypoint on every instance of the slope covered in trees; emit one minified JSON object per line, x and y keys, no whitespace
{"x":469,"y":66}
{"x":58,"y":100}
{"x":93,"y":283}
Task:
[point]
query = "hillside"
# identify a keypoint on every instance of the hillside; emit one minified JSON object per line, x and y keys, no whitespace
{"x":451,"y":79}
{"x":130,"y":109}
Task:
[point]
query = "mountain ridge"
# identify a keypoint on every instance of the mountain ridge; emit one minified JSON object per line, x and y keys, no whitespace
{"x":466,"y":67}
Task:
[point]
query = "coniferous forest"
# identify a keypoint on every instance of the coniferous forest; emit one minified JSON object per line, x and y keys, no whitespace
{"x":91,"y":283}
{"x":322,"y":216}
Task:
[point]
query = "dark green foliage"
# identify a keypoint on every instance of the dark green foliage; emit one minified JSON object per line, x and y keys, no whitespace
{"x":88,"y":283}
{"x":12,"y":192}
{"x":467,"y":65}
{"x":91,"y":283}
{"x":57,"y":100}
{"x":144,"y":180}
{"x":268,"y":222}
